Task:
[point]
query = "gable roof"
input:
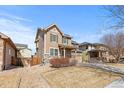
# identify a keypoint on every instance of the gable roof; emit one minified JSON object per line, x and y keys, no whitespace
{"x":99,"y":44}
{"x":86,"y":43}
{"x":25,"y":48}
{"x":52,"y":26}
{"x":8,"y":39}
{"x":3,"y":35}
{"x":21,"y":45}
{"x":74,"y":42}
{"x":93,"y":44}
{"x":45,"y":30}
{"x":66,"y":35}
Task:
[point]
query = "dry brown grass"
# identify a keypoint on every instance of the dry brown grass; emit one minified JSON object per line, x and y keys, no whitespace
{"x":72,"y":77}
{"x":75,"y":77}
{"x":9,"y":81}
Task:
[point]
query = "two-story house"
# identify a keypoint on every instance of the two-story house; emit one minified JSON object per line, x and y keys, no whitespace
{"x":52,"y":42}
{"x":94,"y":50}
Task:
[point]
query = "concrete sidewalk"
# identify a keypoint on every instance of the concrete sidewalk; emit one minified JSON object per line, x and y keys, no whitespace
{"x":116,"y":84}
{"x":27,"y":77}
{"x":103,"y":67}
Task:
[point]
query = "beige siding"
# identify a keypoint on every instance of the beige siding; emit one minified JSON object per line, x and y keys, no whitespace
{"x":1,"y":53}
{"x":52,"y":44}
{"x":43,"y":43}
{"x":69,"y":42}
{"x":26,"y":53}
{"x":10,"y":51}
{"x":101,"y":47}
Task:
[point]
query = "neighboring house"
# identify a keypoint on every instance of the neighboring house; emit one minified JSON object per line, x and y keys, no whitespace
{"x":85,"y":46}
{"x":7,"y":52}
{"x":52,"y":42}
{"x":76,"y":45}
{"x":24,"y":51}
{"x":100,"y":50}
{"x":76,"y":53}
{"x":94,"y":50}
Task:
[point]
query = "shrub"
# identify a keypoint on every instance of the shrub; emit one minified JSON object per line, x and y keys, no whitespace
{"x":55,"y":62}
{"x":59,"y":62}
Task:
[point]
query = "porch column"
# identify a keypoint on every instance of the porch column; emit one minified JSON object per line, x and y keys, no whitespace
{"x":59,"y":53}
{"x":64,"y":52}
{"x":99,"y":53}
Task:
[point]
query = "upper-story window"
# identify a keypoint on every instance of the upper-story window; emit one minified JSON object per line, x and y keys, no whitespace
{"x":53,"y":38}
{"x":64,"y":40}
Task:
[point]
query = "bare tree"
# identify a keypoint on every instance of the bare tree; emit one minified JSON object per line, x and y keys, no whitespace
{"x":116,"y":13}
{"x":115,"y":43}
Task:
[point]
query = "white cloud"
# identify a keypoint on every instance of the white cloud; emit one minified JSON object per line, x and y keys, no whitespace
{"x":10,"y":16}
{"x":18,"y":31}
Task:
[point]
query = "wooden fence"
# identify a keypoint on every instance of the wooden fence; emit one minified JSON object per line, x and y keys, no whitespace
{"x":36,"y":60}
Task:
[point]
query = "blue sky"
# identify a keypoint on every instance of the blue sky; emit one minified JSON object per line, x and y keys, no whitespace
{"x":84,"y":23}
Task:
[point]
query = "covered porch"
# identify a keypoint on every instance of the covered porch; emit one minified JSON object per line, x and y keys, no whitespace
{"x":65,"y":50}
{"x":97,"y":54}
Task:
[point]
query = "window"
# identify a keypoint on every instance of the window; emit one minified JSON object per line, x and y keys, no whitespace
{"x":56,"y":52}
{"x":65,"y":41}
{"x":53,"y":52}
{"x":9,"y":51}
{"x":53,"y":38}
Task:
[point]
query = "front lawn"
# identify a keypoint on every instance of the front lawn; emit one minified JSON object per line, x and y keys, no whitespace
{"x":75,"y":77}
